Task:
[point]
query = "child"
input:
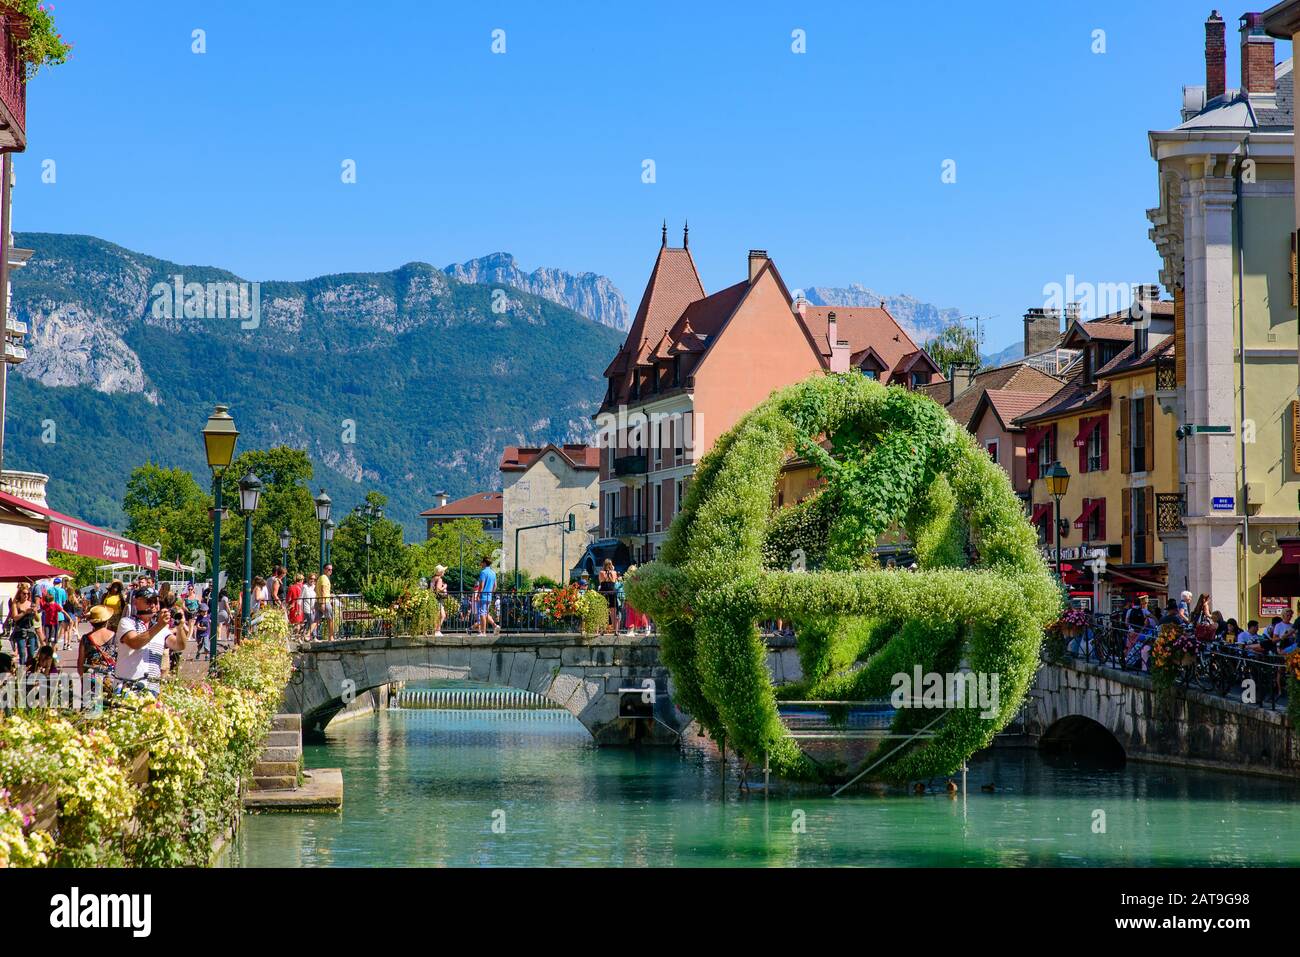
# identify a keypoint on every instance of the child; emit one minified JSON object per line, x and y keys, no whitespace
{"x":202,"y":622}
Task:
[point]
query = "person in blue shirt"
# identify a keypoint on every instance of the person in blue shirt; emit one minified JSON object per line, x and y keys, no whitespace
{"x":487,"y":583}
{"x":60,"y":595}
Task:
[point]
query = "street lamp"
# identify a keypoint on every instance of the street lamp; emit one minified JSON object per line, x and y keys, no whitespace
{"x":219,"y":437}
{"x":285,"y":539}
{"x":564,"y":536}
{"x":1058,"y":480}
{"x":250,"y":490}
{"x":322,"y":516}
{"x":369,"y":514}
{"x":329,"y":541}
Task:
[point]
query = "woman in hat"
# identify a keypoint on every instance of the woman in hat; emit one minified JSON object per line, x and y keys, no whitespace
{"x":94,"y":652}
{"x":438,"y":585}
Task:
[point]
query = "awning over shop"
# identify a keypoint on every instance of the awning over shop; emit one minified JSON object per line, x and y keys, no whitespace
{"x":20,"y":568}
{"x":1139,"y":578}
{"x":1092,"y":506}
{"x":1281,"y":581}
{"x":68,"y":534}
{"x":1290,"y":550}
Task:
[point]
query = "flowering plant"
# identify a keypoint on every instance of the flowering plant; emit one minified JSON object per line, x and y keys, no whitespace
{"x":20,"y":844}
{"x":38,"y":43}
{"x":560,"y":603}
{"x":1172,"y":645}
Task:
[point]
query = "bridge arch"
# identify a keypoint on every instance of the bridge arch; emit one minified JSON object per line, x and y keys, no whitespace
{"x":582,"y":676}
{"x":1079,"y":736}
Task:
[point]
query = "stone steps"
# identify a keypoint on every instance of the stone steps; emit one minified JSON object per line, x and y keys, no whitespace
{"x":277,"y":767}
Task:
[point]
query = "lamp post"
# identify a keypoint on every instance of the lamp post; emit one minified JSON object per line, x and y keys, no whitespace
{"x":564,"y":536}
{"x":285,"y":539}
{"x":329,"y":541}
{"x":369,"y":514}
{"x":219,"y":437}
{"x":250,"y":490}
{"x":322,"y":516}
{"x":1058,"y":480}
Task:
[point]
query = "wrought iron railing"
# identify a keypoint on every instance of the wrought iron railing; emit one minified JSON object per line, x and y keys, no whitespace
{"x":1166,"y":374}
{"x":1170,"y":509}
{"x":624,"y":525}
{"x":13,"y":76}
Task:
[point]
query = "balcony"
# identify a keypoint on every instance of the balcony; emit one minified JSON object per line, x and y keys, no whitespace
{"x":629,"y":466}
{"x":625,"y":526}
{"x":1166,"y":376}
{"x":13,"y":86}
{"x":1170,"y":509}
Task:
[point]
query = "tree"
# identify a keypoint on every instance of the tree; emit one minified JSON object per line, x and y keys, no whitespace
{"x":954,"y":344}
{"x":390,"y":556}
{"x":444,"y":547}
{"x":285,"y":503}
{"x":168,"y":506}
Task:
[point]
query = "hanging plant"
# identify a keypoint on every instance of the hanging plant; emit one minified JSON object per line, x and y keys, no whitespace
{"x":35,"y":36}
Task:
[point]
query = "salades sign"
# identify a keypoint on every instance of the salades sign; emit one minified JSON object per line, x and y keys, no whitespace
{"x":92,"y":544}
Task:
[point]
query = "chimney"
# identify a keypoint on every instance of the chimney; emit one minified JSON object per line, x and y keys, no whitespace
{"x":801,"y":307}
{"x":757,"y":257}
{"x":442,"y":498}
{"x":960,"y":377}
{"x":1042,"y":330}
{"x":839,"y":348}
{"x":1216,"y":57}
{"x":1257,"y":67}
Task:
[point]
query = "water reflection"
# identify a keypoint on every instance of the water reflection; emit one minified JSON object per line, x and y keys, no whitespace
{"x":424,"y":788}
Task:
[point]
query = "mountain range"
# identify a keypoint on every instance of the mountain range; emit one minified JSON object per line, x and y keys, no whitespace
{"x":409,"y":381}
{"x":595,"y":297}
{"x":920,"y":320}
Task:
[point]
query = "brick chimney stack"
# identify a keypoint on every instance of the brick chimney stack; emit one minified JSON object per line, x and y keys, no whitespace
{"x":1216,"y":57}
{"x":757,"y":258}
{"x":839,"y":348}
{"x":1257,"y":64}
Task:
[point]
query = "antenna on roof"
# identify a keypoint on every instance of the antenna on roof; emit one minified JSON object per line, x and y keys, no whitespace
{"x":686,"y":234}
{"x":663,"y":239}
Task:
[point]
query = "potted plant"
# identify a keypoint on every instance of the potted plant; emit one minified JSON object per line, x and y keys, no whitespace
{"x":36,"y":39}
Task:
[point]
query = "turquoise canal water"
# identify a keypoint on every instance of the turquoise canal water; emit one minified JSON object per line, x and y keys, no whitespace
{"x":424,"y":788}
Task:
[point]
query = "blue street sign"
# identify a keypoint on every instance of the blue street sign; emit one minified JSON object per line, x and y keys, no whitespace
{"x":1222,"y":503}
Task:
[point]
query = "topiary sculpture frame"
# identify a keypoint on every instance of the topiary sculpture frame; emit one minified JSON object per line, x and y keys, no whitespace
{"x":900,"y":459}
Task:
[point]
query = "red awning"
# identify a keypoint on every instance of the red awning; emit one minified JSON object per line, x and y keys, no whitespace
{"x":20,"y":568}
{"x":1280,"y":581}
{"x":1088,"y":427}
{"x":1092,"y":506}
{"x":1290,"y":551}
{"x":68,"y":534}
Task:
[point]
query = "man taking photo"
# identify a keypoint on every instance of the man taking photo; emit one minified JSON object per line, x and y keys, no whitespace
{"x":143,"y":640}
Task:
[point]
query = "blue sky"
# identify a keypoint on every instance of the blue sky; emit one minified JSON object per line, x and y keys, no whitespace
{"x":831,"y":159}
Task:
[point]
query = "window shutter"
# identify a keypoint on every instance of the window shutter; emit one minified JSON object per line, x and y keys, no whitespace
{"x":1149,"y":426}
{"x":1125,"y":447}
{"x":1105,"y":442}
{"x":1149,"y":532}
{"x":1295,"y":275}
{"x":1083,"y":449}
{"x":1101,"y":519}
{"x":1295,"y":435}
{"x":1031,"y":458}
{"x":1126,"y":526}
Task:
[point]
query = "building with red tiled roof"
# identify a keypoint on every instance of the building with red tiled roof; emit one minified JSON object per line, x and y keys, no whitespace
{"x":484,"y":506}
{"x":692,"y":364}
{"x":541,"y":487}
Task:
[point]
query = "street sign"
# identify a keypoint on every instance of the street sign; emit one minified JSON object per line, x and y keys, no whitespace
{"x":1222,"y":503}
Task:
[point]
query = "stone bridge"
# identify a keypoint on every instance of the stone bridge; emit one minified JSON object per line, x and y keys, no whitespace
{"x":1081,"y":706}
{"x":582,"y":674}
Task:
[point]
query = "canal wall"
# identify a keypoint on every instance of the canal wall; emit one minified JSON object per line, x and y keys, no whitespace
{"x":1067,"y":702}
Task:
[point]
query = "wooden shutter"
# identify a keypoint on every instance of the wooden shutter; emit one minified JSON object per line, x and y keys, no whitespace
{"x":1295,"y":276}
{"x":1149,"y":427}
{"x":1180,"y":336}
{"x":1083,"y":449}
{"x":1101,"y":519}
{"x":1031,"y":458}
{"x":1295,"y":435}
{"x":1149,"y":532}
{"x":1126,"y":526}
{"x":1105,"y":441}
{"x":1125,"y":447}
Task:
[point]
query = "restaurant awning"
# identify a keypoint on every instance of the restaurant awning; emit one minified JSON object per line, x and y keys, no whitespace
{"x":1092,"y":506}
{"x":20,"y":568}
{"x":68,"y":534}
{"x":1281,"y":581}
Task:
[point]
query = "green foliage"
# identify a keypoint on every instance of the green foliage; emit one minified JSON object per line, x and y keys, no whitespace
{"x":545,"y":581}
{"x":388,"y":553}
{"x":383,"y":591}
{"x":897,"y":461}
{"x":201,"y":740}
{"x":593,"y":610}
{"x":81,"y":567}
{"x":42,"y":45}
{"x":954,"y":343}
{"x":448,"y":544}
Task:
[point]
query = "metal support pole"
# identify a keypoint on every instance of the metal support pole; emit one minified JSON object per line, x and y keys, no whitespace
{"x":322,"y":548}
{"x":214,"y":599}
{"x":247,"y":607}
{"x":1056,"y":520}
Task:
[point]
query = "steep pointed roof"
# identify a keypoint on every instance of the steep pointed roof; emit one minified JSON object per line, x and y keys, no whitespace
{"x":674,"y":284}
